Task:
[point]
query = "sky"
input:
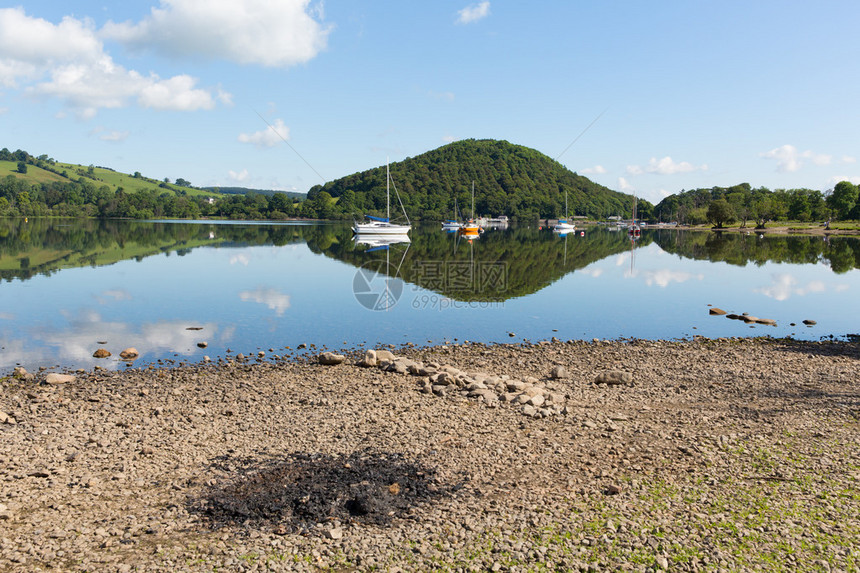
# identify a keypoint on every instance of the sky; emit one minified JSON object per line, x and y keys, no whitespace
{"x":642,"y":96}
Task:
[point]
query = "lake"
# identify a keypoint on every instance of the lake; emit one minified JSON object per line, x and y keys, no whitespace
{"x":68,"y":287}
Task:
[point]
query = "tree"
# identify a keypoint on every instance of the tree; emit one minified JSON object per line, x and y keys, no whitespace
{"x":183,"y":183}
{"x":843,"y":199}
{"x":720,"y":212}
{"x":22,"y":167}
{"x":280,"y":202}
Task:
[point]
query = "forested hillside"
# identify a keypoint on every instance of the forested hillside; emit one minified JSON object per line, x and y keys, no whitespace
{"x":509,"y":179}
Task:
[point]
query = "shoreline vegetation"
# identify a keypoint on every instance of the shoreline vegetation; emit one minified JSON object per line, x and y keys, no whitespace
{"x":728,"y":454}
{"x":516,"y":181}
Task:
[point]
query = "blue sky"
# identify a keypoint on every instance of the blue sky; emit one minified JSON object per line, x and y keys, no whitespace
{"x":685,"y":94}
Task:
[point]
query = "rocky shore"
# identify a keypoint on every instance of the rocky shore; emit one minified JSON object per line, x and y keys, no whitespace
{"x":625,"y":455}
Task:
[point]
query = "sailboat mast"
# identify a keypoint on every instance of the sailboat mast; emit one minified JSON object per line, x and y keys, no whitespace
{"x":387,"y":198}
{"x":473,"y":200}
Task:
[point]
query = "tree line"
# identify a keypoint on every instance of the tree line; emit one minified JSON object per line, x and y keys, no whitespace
{"x":744,"y":204}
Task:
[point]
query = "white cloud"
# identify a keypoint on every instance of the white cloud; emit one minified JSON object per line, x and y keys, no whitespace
{"x":449,"y":139}
{"x":80,"y":72}
{"x":596,"y":170}
{"x":855,"y":179}
{"x":665,"y":166}
{"x":444,"y":96}
{"x":237,"y":175}
{"x":176,"y":93}
{"x":268,"y":137}
{"x":848,"y":159}
{"x":473,"y":13}
{"x":112,"y":136}
{"x":4,"y":110}
{"x":282,"y":33}
{"x":623,"y":185}
{"x":789,"y":159}
{"x":29,"y":45}
{"x":273,"y":299}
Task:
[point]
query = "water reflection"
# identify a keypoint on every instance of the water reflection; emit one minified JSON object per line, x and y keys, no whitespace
{"x":71,"y":284}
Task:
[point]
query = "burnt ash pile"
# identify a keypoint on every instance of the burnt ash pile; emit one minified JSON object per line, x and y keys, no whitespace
{"x":306,"y":489}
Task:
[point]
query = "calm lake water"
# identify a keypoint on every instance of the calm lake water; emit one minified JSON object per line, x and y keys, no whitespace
{"x":70,"y":287}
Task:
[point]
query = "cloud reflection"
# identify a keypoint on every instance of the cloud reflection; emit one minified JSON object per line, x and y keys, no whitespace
{"x":115,"y":294}
{"x":279,"y":302}
{"x":785,"y":286}
{"x":664,"y":277}
{"x":49,"y":346}
{"x":592,"y":272}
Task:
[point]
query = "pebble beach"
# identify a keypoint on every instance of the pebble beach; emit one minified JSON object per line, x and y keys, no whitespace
{"x":693,"y":455}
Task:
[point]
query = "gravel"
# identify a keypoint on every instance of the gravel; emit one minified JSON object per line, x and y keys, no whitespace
{"x":736,"y":454}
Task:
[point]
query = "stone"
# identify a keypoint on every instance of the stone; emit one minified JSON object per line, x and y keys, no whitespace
{"x":767,"y":321}
{"x":3,"y":417}
{"x":615,"y":378}
{"x":385,"y":355}
{"x":334,"y":533}
{"x":809,"y":322}
{"x":369,"y":360}
{"x":716,"y":311}
{"x":398,"y":367}
{"x":330,"y":358}
{"x":202,"y":344}
{"x":558,"y":372}
{"x":19,"y":372}
{"x":129,"y":353}
{"x":101,"y":353}
{"x":54,"y":378}
{"x":537,"y":400}
{"x":612,"y":489}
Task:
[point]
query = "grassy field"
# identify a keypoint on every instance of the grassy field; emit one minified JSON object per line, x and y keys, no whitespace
{"x":34,"y":174}
{"x":100,"y":176}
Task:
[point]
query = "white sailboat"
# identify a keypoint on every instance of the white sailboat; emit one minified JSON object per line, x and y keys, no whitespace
{"x":383,"y":225}
{"x":633,"y":231}
{"x":564,"y":225}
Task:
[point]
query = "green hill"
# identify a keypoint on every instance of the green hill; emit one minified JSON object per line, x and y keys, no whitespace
{"x":45,"y":171}
{"x":509,"y":180}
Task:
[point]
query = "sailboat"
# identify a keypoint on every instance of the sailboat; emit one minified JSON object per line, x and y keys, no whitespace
{"x":564,"y":225}
{"x":383,"y":225}
{"x":633,"y":230}
{"x":470,"y":228}
{"x":452,"y":224}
